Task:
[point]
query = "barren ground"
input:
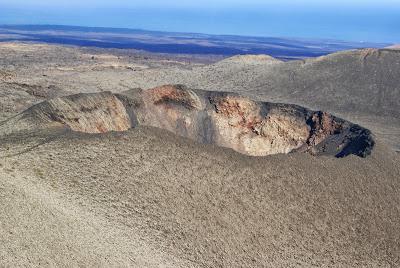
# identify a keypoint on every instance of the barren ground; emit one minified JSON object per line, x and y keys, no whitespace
{"x":147,"y":198}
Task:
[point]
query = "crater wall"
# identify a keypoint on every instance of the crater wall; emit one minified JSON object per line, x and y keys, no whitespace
{"x":221,"y":118}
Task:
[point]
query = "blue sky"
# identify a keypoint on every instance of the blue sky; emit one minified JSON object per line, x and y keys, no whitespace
{"x":354,"y":20}
{"x":202,"y":3}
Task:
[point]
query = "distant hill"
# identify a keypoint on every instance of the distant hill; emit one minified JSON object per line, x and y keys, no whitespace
{"x":394,"y":46}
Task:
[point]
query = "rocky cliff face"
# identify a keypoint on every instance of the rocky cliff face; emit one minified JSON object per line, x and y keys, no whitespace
{"x":221,"y":118}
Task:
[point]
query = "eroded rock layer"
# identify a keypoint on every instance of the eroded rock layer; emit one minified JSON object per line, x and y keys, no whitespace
{"x":221,"y":118}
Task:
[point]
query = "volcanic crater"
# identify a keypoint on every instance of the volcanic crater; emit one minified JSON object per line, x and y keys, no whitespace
{"x":221,"y":118}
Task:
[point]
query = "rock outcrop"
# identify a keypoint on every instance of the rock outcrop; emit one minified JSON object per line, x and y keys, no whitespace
{"x":221,"y":118}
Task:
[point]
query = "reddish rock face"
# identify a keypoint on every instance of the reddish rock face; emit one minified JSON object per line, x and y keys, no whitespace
{"x":247,"y":126}
{"x":241,"y":112}
{"x":242,"y":126}
{"x":225,"y":119}
{"x":173,"y":96}
{"x":323,"y":125}
{"x":170,"y":107}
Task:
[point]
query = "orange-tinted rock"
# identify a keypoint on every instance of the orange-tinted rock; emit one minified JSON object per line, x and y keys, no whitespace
{"x":173,"y":95}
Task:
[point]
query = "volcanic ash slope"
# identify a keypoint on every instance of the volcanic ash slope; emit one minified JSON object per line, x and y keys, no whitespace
{"x":97,"y":180}
{"x":146,"y":197}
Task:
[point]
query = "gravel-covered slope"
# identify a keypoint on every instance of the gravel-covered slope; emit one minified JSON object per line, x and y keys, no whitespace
{"x":148,"y":198}
{"x":144,"y":196}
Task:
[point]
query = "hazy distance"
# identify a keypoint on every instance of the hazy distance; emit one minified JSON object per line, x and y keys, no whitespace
{"x":369,"y":21}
